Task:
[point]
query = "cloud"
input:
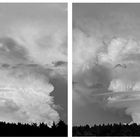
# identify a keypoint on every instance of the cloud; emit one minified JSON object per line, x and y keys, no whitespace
{"x":24,"y":87}
{"x":109,"y":68}
{"x":44,"y":43}
{"x":84,"y":50}
{"x":26,"y":97}
{"x":33,"y":51}
{"x":42,"y":34}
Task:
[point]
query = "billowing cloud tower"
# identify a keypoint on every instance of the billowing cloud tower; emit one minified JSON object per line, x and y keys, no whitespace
{"x":106,"y":59}
{"x":30,"y":46}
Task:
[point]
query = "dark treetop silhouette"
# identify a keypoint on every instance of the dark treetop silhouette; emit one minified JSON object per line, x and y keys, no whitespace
{"x":12,"y":129}
{"x":107,"y":130}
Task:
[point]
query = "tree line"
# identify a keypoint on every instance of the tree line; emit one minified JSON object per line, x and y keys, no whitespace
{"x":107,"y":130}
{"x":33,"y":130}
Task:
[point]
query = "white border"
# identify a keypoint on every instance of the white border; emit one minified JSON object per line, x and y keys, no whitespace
{"x":69,"y":97}
{"x":34,"y":1}
{"x":70,"y":69}
{"x":105,"y":1}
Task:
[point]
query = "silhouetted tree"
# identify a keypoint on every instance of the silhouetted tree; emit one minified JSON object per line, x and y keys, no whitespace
{"x":107,"y":130}
{"x":12,"y":129}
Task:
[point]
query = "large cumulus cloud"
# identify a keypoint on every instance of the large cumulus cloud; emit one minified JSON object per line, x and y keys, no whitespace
{"x":106,"y":56}
{"x":25,"y":97}
{"x":33,"y":51}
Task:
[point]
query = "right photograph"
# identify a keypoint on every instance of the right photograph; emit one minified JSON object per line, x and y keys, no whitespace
{"x":106,"y":69}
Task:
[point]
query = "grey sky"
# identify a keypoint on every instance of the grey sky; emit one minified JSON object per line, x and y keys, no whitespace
{"x":30,"y":36}
{"x":96,"y":29}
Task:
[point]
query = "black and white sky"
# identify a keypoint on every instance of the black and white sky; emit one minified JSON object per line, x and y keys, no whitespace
{"x":106,"y":63}
{"x":33,"y":62}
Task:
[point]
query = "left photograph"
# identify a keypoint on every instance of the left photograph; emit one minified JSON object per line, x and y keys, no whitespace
{"x":33,"y":69}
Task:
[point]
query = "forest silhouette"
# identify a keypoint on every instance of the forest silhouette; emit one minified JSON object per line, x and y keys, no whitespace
{"x":33,"y":130}
{"x":107,"y":130}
